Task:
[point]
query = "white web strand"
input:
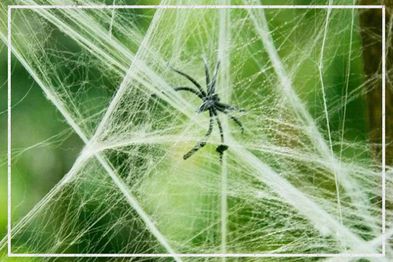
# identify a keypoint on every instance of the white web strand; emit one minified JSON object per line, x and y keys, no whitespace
{"x":325,"y":107}
{"x":315,"y":213}
{"x":358,"y":198}
{"x":225,"y":87}
{"x":112,"y":20}
{"x":320,"y":219}
{"x":79,"y":164}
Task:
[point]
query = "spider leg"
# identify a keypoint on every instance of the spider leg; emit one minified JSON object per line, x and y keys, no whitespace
{"x":235,"y":119}
{"x":202,"y":143}
{"x":182,"y":88}
{"x":219,"y":125}
{"x":206,"y":73}
{"x":211,"y":89}
{"x":225,"y":108}
{"x":189,"y":89}
{"x":221,"y":148}
{"x":192,"y":80}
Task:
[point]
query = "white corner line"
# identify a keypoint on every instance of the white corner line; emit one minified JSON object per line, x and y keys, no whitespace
{"x":211,"y":255}
{"x":196,"y":6}
{"x":9,"y":55}
{"x":229,"y":255}
{"x":383,"y":131}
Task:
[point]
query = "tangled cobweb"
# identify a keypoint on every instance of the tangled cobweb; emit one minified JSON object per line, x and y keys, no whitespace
{"x":302,"y":179}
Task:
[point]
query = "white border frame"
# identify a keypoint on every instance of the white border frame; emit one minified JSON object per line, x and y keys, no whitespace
{"x":229,"y":255}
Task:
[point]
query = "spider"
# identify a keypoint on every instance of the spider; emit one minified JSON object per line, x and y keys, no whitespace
{"x":211,"y":103}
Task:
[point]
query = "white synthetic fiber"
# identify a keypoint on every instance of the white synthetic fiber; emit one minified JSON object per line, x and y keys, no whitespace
{"x":294,"y":182}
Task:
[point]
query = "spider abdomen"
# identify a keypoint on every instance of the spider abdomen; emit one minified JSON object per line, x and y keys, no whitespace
{"x":221,"y":148}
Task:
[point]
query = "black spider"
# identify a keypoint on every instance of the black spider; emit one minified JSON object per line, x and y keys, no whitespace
{"x":211,"y":103}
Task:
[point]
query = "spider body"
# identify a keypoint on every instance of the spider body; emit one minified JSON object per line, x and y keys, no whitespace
{"x":211,"y":103}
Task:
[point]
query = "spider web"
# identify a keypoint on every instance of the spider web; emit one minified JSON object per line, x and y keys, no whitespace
{"x":299,"y":180}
